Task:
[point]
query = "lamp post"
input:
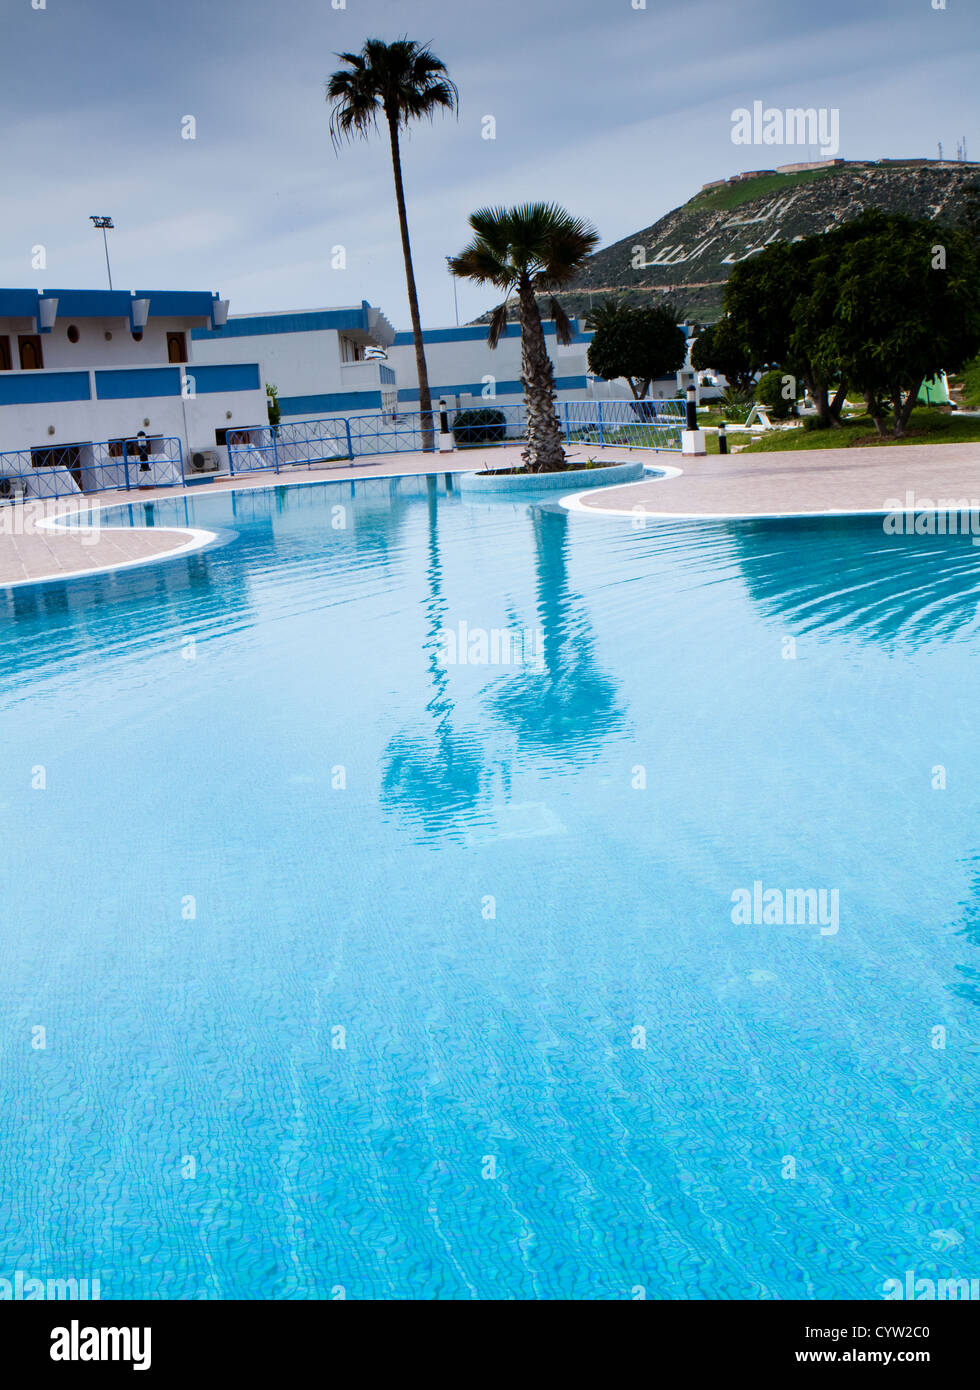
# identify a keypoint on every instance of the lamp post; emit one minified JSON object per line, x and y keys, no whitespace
{"x":455,"y":299}
{"x":103,"y":224}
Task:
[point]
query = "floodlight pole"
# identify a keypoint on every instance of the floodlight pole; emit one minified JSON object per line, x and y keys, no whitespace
{"x":103,"y":224}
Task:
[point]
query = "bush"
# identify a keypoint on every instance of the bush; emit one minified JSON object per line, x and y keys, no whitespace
{"x":735,"y":405}
{"x":769,"y":393}
{"x":484,"y":426}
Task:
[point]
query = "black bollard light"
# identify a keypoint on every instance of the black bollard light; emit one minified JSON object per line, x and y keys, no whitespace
{"x":692,"y":408}
{"x":722,"y":438}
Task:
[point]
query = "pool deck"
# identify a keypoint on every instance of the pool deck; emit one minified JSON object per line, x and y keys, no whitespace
{"x":808,"y":483}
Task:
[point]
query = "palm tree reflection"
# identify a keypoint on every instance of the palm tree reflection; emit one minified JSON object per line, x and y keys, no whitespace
{"x":562,"y":704}
{"x":435,"y":780}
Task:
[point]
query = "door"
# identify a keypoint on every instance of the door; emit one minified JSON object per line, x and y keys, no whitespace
{"x":29,"y":345}
{"x":177,"y":347}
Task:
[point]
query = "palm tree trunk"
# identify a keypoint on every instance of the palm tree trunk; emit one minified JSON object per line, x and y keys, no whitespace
{"x":543,"y":452}
{"x":425,"y":399}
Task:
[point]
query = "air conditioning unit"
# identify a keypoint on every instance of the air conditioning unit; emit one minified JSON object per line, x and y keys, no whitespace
{"x":203,"y":461}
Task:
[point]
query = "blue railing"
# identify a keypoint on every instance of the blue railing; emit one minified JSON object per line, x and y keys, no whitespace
{"x":70,"y":470}
{"x":645,"y":424}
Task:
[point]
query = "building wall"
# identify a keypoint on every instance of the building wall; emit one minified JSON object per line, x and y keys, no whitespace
{"x":109,"y":384}
{"x":113,"y":403}
{"x":101,"y":341}
{"x":301,"y":354}
{"x":463,"y":368}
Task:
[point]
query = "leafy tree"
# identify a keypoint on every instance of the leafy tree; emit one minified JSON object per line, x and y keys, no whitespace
{"x":773,"y":322}
{"x":638,"y":344}
{"x":906,"y":306}
{"x":717,"y":349}
{"x":537,"y":247}
{"x":395,"y":83}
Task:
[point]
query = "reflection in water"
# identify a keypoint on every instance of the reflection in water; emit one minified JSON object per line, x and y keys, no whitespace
{"x":561,"y":704}
{"x":849,"y":576}
{"x":435,"y":780}
{"x":565,"y":705}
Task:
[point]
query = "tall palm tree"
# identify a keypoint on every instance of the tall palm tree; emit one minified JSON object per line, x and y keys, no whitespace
{"x":395,"y":83}
{"x":535,"y":248}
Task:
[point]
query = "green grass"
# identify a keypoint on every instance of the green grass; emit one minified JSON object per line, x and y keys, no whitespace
{"x":734,"y":194}
{"x":926,"y":426}
{"x":968,"y":380}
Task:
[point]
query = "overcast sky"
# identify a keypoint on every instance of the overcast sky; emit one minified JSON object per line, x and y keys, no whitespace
{"x":619,"y":113}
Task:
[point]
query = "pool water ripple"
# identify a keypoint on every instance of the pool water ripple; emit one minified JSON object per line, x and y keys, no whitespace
{"x":363,"y":971}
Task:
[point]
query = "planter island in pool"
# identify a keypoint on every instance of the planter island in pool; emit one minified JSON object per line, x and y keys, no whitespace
{"x":571,"y":480}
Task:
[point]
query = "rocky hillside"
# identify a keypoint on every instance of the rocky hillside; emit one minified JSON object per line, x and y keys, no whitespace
{"x":687,"y":255}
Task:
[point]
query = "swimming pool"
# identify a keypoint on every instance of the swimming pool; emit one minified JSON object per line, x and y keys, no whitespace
{"x":370,"y":875}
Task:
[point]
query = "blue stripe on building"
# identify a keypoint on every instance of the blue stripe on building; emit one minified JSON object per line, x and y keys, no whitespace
{"x":42,"y":388}
{"x":472,"y":333}
{"x":107,"y":304}
{"x":344,"y":402}
{"x":310,"y":322}
{"x":503,"y":388}
{"x":131,"y":384}
{"x":235,"y":376}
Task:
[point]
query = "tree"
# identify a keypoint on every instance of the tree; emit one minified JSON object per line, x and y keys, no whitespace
{"x":774,"y":320}
{"x":396,"y":83}
{"x":906,"y":306}
{"x":638,"y":344}
{"x":716,"y":349}
{"x":537,"y":247}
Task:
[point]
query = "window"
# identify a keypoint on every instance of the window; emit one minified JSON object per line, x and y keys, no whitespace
{"x":73,"y":333}
{"x":349,"y":350}
{"x":4,"y":353}
{"x":177,"y":347}
{"x":29,"y":345}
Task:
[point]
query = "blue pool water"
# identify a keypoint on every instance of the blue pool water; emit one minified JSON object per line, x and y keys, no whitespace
{"x":360,"y":972}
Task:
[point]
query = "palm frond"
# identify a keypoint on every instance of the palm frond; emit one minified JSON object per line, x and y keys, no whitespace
{"x":498,"y":322}
{"x":563,"y":325}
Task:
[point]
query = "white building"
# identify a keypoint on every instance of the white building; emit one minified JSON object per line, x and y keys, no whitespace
{"x":84,"y":372}
{"x":314,"y":358}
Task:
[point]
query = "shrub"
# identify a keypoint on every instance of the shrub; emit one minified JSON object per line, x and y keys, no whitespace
{"x":484,"y":426}
{"x":735,"y":405}
{"x":769,"y":393}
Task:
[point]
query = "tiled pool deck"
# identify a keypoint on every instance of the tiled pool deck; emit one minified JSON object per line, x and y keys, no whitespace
{"x":806,"y":482}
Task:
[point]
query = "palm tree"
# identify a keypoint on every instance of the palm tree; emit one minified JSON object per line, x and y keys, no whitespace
{"x":537,"y":247}
{"x":395,"y":82}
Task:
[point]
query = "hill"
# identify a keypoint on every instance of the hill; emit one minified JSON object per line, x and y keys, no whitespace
{"x":688,"y":255}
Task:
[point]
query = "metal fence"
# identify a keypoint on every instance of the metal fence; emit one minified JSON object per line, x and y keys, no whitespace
{"x":642,"y":424}
{"x":67,"y":470}
{"x":304,"y":443}
{"x":70,"y":470}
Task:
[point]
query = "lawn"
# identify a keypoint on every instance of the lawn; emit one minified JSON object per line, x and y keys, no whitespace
{"x":927,"y":426}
